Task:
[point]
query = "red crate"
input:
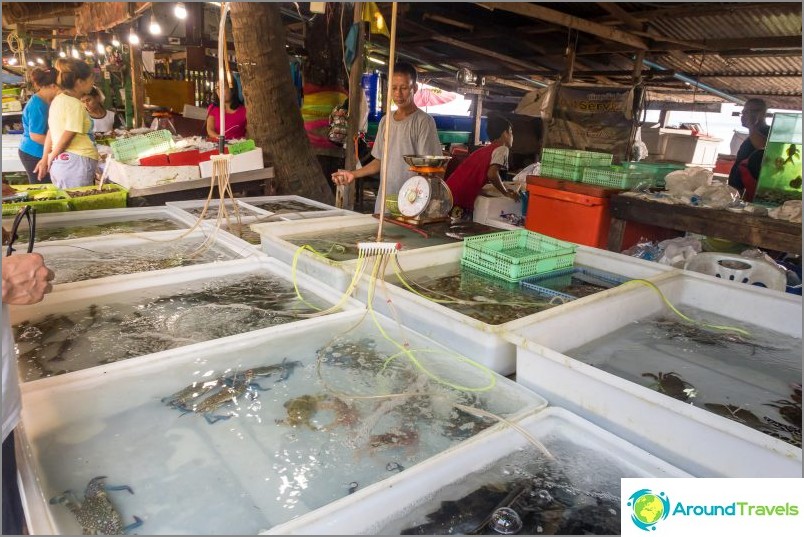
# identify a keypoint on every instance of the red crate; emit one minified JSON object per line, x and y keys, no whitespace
{"x":185,"y":158}
{"x":154,"y":160}
{"x":206,"y":155}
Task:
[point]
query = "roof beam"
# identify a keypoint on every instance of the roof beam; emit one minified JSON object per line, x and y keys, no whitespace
{"x":488,"y":53}
{"x":569,"y":21}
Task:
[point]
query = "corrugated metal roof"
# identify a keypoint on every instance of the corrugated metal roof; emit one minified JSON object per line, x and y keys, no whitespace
{"x":774,"y":20}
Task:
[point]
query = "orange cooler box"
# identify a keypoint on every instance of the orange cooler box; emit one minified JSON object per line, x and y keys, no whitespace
{"x":579,"y":213}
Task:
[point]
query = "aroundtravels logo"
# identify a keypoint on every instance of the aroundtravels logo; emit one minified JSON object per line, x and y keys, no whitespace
{"x":648,"y":508}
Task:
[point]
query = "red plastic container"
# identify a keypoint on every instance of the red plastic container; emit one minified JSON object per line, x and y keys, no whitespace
{"x":154,"y":160}
{"x":579,"y":213}
{"x":206,"y":155}
{"x":185,"y":158}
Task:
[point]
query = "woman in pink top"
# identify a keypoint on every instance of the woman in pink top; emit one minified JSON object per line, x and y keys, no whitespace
{"x":235,"y":116}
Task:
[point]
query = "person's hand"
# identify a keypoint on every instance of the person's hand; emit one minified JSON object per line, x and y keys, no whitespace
{"x":343,"y":177}
{"x":26,"y":279}
{"x":513,"y":194}
{"x":43,"y":167}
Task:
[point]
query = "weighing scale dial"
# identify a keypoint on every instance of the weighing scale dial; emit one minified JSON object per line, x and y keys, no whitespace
{"x":414,"y":196}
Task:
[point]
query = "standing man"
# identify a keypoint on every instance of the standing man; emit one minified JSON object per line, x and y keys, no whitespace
{"x":413,"y":132}
{"x":744,"y":175}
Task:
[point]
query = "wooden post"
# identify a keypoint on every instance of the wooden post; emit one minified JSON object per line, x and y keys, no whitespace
{"x":570,"y":61}
{"x":194,"y":24}
{"x":636,"y":78}
{"x":137,"y":86}
{"x":345,"y":196}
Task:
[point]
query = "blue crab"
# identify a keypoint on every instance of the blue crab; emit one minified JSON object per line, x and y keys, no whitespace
{"x":233,"y":387}
{"x":96,"y":514}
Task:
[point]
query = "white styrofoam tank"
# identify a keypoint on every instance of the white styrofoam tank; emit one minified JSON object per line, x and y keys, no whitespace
{"x":222,"y":247}
{"x":141,"y":286}
{"x":245,"y":209}
{"x":377,"y":509}
{"x":105,"y":216}
{"x":303,"y":206}
{"x":248,"y":473}
{"x":488,"y":207}
{"x":338,"y":274}
{"x":466,"y":334}
{"x":692,"y":438}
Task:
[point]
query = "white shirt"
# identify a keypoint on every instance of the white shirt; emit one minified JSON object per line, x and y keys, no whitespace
{"x":104,"y":124}
{"x":12,"y":400}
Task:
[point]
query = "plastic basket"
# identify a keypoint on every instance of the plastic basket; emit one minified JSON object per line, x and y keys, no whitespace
{"x":655,"y":171}
{"x":241,"y":147}
{"x":614,"y":177}
{"x":569,"y":163}
{"x":514,"y":255}
{"x":127,"y":150}
{"x":12,"y":91}
{"x":112,"y":197}
{"x":42,"y":206}
{"x":548,"y":284}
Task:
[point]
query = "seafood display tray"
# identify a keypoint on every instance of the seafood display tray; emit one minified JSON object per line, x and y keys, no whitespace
{"x":143,"y":287}
{"x":337,"y":274}
{"x":466,"y":334}
{"x":379,"y":509}
{"x":191,"y":207}
{"x":223,"y":246}
{"x":295,"y":206}
{"x":254,"y":470}
{"x":692,"y":438}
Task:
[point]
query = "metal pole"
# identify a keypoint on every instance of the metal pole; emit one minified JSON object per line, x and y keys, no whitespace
{"x":222,"y":77}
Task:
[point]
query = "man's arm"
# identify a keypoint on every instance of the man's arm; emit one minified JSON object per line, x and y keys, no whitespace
{"x":344,"y":177}
{"x":493,"y":175}
{"x":26,"y":279}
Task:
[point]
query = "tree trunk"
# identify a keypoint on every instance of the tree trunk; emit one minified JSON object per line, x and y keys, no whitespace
{"x":324,"y":63}
{"x":274,"y":118}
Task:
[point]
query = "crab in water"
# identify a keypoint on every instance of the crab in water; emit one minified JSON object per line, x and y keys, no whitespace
{"x":671,"y":384}
{"x":96,"y":514}
{"x":790,"y":410}
{"x":303,"y":409}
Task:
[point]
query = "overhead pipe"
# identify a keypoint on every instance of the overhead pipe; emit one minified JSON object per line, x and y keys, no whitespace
{"x":697,"y":84}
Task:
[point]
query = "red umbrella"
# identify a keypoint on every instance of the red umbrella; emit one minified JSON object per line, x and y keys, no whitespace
{"x":433,"y":97}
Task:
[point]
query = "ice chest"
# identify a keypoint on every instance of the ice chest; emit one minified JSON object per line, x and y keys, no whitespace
{"x":580,"y":213}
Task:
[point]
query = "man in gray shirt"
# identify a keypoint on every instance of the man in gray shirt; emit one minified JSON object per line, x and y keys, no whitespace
{"x":413,"y":132}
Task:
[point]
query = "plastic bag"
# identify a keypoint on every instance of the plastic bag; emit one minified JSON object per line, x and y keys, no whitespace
{"x":684,"y":183}
{"x":644,"y":249}
{"x":676,"y":252}
{"x":717,"y":196}
{"x":790,"y":211}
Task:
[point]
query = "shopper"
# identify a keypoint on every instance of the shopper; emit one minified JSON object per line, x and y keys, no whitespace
{"x":484,"y":166}
{"x":70,"y":154}
{"x":413,"y":132}
{"x":235,"y":112}
{"x":26,"y":280}
{"x":744,"y":175}
{"x":34,"y":121}
{"x":102,"y":119}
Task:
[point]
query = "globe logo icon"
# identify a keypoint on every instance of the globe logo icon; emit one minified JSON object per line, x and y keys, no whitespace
{"x":648,"y":508}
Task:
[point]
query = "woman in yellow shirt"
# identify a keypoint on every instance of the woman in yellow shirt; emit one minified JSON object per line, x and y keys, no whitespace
{"x":70,"y":154}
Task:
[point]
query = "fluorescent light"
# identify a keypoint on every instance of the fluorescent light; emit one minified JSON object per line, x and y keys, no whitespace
{"x":101,"y":48}
{"x":12,"y":61}
{"x":154,"y":27}
{"x":115,"y":42}
{"x":88,"y":53}
{"x":180,"y":11}
{"x":74,"y":53}
{"x":133,"y":38}
{"x":376,"y":60}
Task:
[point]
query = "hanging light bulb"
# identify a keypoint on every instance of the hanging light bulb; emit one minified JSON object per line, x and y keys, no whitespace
{"x":101,"y":49}
{"x":154,"y":27}
{"x":74,"y":53}
{"x":180,"y":11}
{"x":115,"y":42}
{"x":62,"y":54}
{"x":12,"y":61}
{"x":133,"y":38}
{"x":88,"y":53}
{"x":40,"y":61}
{"x":30,"y":63}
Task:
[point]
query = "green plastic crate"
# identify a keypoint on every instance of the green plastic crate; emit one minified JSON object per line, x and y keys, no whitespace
{"x":656,"y":171}
{"x":34,"y":186}
{"x":241,"y":147}
{"x":112,"y":197}
{"x":127,"y":150}
{"x":513,"y":255}
{"x":570,"y":163}
{"x":614,"y":177}
{"x":41,"y":206}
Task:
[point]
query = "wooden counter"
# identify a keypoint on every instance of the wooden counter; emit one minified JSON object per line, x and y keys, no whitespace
{"x":760,"y":231}
{"x":250,"y":183}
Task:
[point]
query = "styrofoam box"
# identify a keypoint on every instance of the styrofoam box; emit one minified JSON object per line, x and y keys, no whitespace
{"x":338,"y":274}
{"x":488,"y":207}
{"x":101,"y":216}
{"x":466,"y":334}
{"x":229,"y":248}
{"x":129,"y":176}
{"x":373,"y":509}
{"x":315,"y":206}
{"x":190,"y":476}
{"x":244,"y":162}
{"x":691,"y":438}
{"x":692,"y":149}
